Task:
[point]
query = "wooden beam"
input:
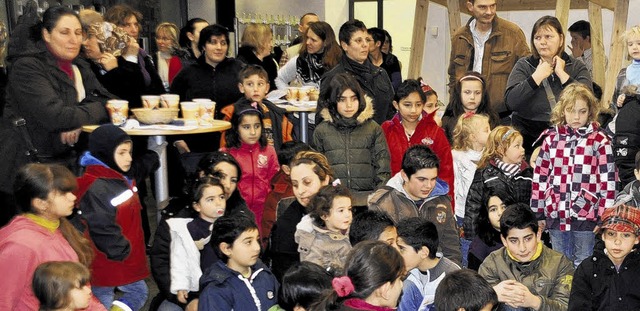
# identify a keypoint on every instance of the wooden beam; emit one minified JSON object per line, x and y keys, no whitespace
{"x":525,"y":5}
{"x":616,"y":54}
{"x":597,"y":47}
{"x":418,"y":38}
{"x":454,"y":16}
{"x":562,"y":12}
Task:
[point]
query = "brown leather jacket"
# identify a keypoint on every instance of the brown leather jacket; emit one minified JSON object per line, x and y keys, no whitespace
{"x":505,"y":46}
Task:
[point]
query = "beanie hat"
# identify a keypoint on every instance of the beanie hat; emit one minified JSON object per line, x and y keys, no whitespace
{"x":103,"y":143}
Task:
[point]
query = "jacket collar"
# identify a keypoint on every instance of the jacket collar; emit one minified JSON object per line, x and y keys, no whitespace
{"x":366,"y":114}
{"x":396,"y":182}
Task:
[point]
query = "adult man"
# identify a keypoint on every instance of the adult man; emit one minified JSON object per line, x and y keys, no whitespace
{"x":489,"y":45}
{"x":294,"y":49}
{"x":355,"y":61}
{"x":416,"y":191}
{"x":388,"y":62}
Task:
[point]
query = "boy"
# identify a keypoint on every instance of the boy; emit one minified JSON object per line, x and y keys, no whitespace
{"x":416,"y":191}
{"x":525,"y":273}
{"x":411,"y":126}
{"x":465,"y":290}
{"x":280,"y":185}
{"x":631,"y":192}
{"x":609,"y":280}
{"x":239,"y":280}
{"x":254,"y":84}
{"x":373,"y":225}
{"x":418,"y":243}
{"x":580,"y":33}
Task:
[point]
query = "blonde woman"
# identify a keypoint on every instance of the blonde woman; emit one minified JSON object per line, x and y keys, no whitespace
{"x":170,"y":56}
{"x":255,"y":49}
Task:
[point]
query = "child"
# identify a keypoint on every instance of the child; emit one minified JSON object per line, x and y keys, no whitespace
{"x":302,"y":285}
{"x":254,"y":84}
{"x":418,"y":243}
{"x":631,"y":192}
{"x":372,"y":280}
{"x":465,"y":290}
{"x":247,"y":143}
{"x":524,"y":273}
{"x":469,"y":138}
{"x":412,"y":126}
{"x":373,"y":225}
{"x":110,"y":209}
{"x":239,"y":280}
{"x":488,"y":239}
{"x":575,"y":175}
{"x":322,"y":236}
{"x":469,"y":95}
{"x":62,"y":285}
{"x":501,"y":168}
{"x":432,"y":104}
{"x":608,"y":280}
{"x":280,"y":186}
{"x":352,"y":141}
{"x":310,"y":171}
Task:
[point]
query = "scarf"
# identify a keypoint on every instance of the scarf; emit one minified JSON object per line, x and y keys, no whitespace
{"x":507,"y":168}
{"x":310,"y":67}
{"x":163,"y":68}
{"x":145,"y":74}
{"x":66,"y":67}
{"x":361,"y":70}
{"x":534,"y":257}
{"x":633,"y":72}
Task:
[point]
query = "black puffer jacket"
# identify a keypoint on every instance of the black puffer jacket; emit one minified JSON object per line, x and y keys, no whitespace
{"x":356,"y":149}
{"x":491,"y":178}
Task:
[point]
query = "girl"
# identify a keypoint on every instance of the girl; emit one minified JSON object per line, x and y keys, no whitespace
{"x":302,"y":285}
{"x":469,"y":138}
{"x":372,"y":280}
{"x":169,"y":56}
{"x":501,"y":168}
{"x":575,"y":175}
{"x":247,"y":143}
{"x":469,"y":95}
{"x":488,"y":224}
{"x":41,"y":233}
{"x":323,"y":235}
{"x":432,"y":104}
{"x":62,"y":286}
{"x":353,"y":142}
{"x":310,"y":171}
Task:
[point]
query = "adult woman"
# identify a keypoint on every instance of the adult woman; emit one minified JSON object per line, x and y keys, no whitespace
{"x":190,"y":35}
{"x":40,"y":233}
{"x":318,"y":54}
{"x":536,"y":81}
{"x":255,"y":49}
{"x":310,"y":171}
{"x":170,"y":56}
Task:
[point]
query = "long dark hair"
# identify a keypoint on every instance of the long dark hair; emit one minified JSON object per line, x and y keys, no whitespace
{"x":183,"y":39}
{"x":206,"y":167}
{"x":456,"y":108}
{"x":341,"y":82}
{"x":232,"y":136}
{"x":332,"y":50}
{"x":486,"y":232}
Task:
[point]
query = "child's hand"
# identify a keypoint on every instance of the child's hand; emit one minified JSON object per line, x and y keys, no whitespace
{"x":508,"y":292}
{"x":620,"y":100}
{"x":182,"y":295}
{"x":543,"y":71}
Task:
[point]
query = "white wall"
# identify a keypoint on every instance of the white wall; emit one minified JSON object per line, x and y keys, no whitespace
{"x":203,"y":9}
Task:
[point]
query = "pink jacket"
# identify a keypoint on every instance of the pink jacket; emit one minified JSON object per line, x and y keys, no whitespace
{"x":23,"y":246}
{"x":258,"y":167}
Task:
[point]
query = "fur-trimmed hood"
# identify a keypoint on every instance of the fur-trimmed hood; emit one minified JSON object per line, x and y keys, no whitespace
{"x":364,"y":115}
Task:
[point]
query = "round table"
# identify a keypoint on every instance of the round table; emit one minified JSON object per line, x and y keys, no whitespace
{"x":157,"y":136}
{"x":304,"y":117}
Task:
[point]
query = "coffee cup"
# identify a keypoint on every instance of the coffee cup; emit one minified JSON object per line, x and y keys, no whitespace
{"x":292,"y":94}
{"x":303,"y":94}
{"x":118,"y":111}
{"x":150,"y":101}
{"x":170,"y":100}
{"x":189,"y":110}
{"x":206,"y":112}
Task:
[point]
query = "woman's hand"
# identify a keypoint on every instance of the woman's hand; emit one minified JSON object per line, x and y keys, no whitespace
{"x":543,"y":71}
{"x":71,"y":137}
{"x":132,"y":48}
{"x":108,"y":61}
{"x":558,"y":68}
{"x":182,"y":295}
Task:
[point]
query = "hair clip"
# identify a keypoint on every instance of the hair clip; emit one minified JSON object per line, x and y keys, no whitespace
{"x":249,"y":110}
{"x":468,"y":114}
{"x":342,"y":285}
{"x":507,"y":134}
{"x":336,"y":182}
{"x":425,"y":87}
{"x":254,"y":105}
{"x":471,"y":77}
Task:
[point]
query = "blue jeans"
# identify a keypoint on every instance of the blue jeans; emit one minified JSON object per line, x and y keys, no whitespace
{"x":576,"y":245}
{"x":134,"y":294}
{"x":464,"y":244}
{"x":167,"y":305}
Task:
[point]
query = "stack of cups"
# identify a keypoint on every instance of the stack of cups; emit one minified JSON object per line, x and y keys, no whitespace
{"x":150,"y":101}
{"x":170,"y":101}
{"x":206,"y":111}
{"x":189,"y":112}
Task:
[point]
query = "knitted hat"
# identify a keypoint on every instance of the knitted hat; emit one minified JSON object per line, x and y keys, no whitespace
{"x":623,"y":218}
{"x":104,"y":141}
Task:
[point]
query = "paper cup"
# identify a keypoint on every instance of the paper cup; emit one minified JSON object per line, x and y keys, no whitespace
{"x":150,"y":101}
{"x":170,"y":100}
{"x":292,"y":94}
{"x":303,"y":94}
{"x":189,"y":110}
{"x":206,"y":112}
{"x":118,"y":111}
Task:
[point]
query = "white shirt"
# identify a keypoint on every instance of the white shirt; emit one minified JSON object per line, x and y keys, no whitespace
{"x":479,"y":39}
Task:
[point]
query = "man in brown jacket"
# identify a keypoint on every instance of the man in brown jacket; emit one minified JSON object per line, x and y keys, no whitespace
{"x":489,"y":45}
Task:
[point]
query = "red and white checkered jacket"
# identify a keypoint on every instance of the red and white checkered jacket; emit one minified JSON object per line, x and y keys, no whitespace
{"x":575,"y":175}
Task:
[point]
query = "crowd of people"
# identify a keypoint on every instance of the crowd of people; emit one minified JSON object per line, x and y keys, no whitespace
{"x":524,"y":195}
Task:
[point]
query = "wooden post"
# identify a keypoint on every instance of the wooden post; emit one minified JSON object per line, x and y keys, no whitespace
{"x":562,"y":12}
{"x":453,"y":7}
{"x":597,"y":47}
{"x":616,"y":54}
{"x":418,"y":38}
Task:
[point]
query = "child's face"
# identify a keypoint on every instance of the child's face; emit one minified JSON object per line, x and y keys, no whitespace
{"x":122,"y":156}
{"x":515,"y":152}
{"x":244,"y":251}
{"x":58,"y":205}
{"x":80,"y":297}
{"x":431,"y":104}
{"x":495,"y":207}
{"x":633,"y":46}
{"x":521,"y":243}
{"x":389,"y":236}
{"x":410,"y":107}
{"x":394,"y":293}
{"x":411,"y":257}
{"x":229,"y":176}
{"x":578,"y":116}
{"x":618,"y":244}
{"x":348,"y":104}
{"x":421,"y":183}
{"x":306,"y":183}
{"x":481,"y":133}
{"x":471,"y":94}
{"x":254,"y":88}
{"x":340,"y":216}
{"x":250,"y":129}
{"x":212,"y":204}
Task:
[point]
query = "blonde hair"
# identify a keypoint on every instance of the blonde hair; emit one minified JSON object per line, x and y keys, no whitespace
{"x":465,"y":127}
{"x":255,"y":36}
{"x":171,"y":30}
{"x":88,"y":17}
{"x":498,"y":142}
{"x":633,"y":32}
{"x":568,"y":98}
